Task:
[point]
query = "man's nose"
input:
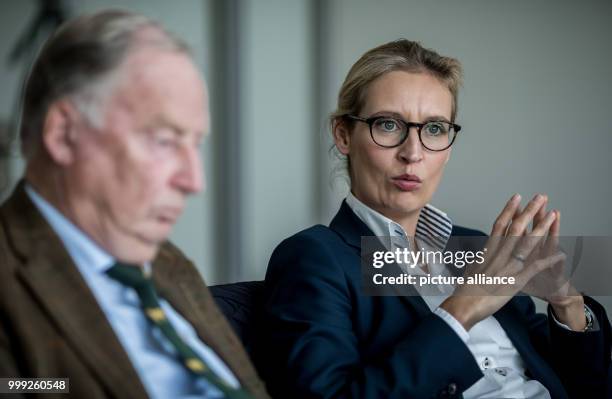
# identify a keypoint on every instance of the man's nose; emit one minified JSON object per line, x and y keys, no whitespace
{"x":190,"y":178}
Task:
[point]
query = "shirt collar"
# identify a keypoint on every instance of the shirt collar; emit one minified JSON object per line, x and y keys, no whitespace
{"x":82,"y":249}
{"x":433,"y":227}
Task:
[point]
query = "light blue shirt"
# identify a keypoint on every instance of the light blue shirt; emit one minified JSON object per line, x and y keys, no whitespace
{"x":152,"y":355}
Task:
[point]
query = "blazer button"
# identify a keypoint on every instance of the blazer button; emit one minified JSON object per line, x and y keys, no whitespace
{"x":452,"y":388}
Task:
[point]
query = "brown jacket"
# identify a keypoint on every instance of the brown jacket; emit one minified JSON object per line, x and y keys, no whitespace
{"x":52,"y":326}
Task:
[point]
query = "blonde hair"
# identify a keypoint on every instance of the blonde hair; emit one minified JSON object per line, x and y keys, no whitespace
{"x":398,"y":55}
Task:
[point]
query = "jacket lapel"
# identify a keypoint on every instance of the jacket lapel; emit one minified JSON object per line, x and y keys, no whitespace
{"x":351,"y":229}
{"x":58,"y":285}
{"x":181,"y":285}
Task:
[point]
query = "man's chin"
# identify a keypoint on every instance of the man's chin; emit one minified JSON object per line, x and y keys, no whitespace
{"x":140,"y":249}
{"x":137,"y":254}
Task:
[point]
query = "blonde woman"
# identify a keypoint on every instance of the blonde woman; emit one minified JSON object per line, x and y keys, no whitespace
{"x":323,"y":337}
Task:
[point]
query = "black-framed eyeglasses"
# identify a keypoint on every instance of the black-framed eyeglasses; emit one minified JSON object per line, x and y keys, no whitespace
{"x":389,"y":132}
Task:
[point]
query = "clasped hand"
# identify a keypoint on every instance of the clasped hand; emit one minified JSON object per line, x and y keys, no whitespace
{"x":531,"y":257}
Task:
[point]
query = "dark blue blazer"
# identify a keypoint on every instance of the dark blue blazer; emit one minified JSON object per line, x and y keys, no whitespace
{"x":321,"y":337}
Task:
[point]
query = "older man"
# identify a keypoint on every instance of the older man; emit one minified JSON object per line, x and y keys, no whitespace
{"x":113,"y":116}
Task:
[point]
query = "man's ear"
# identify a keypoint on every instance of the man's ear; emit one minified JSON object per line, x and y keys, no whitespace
{"x":342,"y":137}
{"x":59,"y":132}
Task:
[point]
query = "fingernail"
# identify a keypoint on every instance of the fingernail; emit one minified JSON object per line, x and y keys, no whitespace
{"x":516,"y":197}
{"x":538,"y":197}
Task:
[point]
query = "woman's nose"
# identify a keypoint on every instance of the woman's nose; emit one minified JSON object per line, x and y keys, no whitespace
{"x":411,"y":149}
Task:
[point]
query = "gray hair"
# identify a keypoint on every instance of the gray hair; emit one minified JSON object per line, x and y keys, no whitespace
{"x":79,"y":61}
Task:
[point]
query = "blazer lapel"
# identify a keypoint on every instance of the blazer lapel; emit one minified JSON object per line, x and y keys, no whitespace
{"x":181,"y":285}
{"x":56,"y":282}
{"x":351,"y":229}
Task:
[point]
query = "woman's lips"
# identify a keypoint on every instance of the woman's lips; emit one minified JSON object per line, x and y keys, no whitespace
{"x":407,"y":182}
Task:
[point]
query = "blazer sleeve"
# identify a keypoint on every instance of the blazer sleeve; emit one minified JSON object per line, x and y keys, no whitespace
{"x":8,"y":364}
{"x":8,"y":368}
{"x":580,"y":359}
{"x":310,"y":349}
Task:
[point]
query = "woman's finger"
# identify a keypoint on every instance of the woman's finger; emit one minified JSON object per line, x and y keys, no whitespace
{"x":501,"y":223}
{"x":507,"y":242}
{"x":518,"y":249}
{"x":519,"y":225}
{"x":534,"y":268}
{"x":556,"y":226}
{"x":552,"y":241}
{"x":505,"y":217}
{"x":540,"y":215}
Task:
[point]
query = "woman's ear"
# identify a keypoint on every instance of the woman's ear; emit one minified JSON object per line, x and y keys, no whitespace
{"x":59,"y":133}
{"x":342,"y":136}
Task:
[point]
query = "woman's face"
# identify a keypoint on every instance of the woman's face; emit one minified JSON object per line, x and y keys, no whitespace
{"x":397,"y":181}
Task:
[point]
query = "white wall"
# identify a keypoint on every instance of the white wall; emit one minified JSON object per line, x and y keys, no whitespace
{"x":277,"y":127}
{"x":12,"y":20}
{"x":535,"y":104}
{"x":277,"y":137}
{"x":194,"y":232}
{"x":534,"y":108}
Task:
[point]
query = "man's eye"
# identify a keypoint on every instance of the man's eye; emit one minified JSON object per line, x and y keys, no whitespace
{"x":165,"y":140}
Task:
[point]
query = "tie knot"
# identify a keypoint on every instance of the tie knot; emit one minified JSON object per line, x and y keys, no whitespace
{"x":133,"y":276}
{"x":130,"y":275}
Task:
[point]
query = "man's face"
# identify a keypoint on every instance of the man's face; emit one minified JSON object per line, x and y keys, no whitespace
{"x":130,"y":178}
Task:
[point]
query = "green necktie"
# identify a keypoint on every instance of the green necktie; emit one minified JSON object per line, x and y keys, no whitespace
{"x":133,"y":276}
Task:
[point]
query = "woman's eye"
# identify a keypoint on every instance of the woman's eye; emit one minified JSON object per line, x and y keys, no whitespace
{"x":387,"y":125}
{"x":435,"y":129}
